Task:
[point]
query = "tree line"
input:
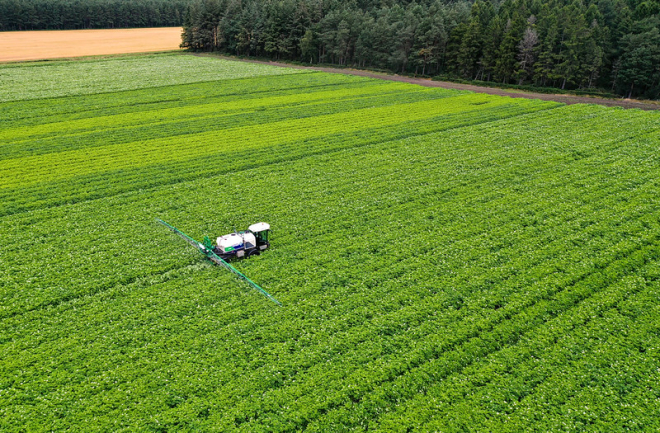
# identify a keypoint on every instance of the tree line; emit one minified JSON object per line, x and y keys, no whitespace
{"x":90,"y":14}
{"x":612,"y":45}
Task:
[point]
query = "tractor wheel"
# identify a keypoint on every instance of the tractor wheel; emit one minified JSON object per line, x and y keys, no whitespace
{"x":254,"y":252}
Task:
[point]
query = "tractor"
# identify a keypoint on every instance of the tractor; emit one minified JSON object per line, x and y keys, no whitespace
{"x":241,"y":244}
{"x":238,"y":244}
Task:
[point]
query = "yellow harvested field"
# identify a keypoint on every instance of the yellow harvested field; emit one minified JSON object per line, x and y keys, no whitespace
{"x":54,"y":44}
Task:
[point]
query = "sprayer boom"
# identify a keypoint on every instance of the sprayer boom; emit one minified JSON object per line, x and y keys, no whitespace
{"x":211,"y":255}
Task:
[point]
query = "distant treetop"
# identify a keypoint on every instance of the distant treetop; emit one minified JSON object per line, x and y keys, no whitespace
{"x":90,"y":14}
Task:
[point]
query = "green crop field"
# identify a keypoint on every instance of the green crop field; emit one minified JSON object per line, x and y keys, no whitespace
{"x":446,"y":261}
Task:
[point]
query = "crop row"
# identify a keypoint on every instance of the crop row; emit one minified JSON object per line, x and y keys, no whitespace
{"x":61,"y":79}
{"x":457,"y":156}
{"x":228,"y":157}
{"x":96,"y":267}
{"x":65,"y":240}
{"x":466,"y":262}
{"x":187,"y":123}
{"x":481,"y":173}
{"x":181,"y":400}
{"x":39,"y":111}
{"x":547,"y":360}
{"x":33,"y":169}
{"x":561,"y":262}
{"x":216,"y":108}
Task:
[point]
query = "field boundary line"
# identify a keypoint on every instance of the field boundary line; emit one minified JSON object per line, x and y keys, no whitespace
{"x":427,"y":82}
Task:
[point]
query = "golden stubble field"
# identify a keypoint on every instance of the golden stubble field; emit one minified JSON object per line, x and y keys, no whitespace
{"x":47,"y":44}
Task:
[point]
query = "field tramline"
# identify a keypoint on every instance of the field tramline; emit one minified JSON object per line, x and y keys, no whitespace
{"x":447,"y":261}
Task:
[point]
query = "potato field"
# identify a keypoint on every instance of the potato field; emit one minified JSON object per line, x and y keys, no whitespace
{"x":447,"y":261}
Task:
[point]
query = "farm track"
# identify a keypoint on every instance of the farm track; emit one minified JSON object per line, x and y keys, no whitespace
{"x":426,"y":82}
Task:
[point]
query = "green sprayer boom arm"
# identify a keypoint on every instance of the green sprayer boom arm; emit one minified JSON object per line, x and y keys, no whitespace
{"x":216,"y":259}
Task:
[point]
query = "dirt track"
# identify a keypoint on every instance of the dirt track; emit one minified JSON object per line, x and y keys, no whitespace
{"x":566,"y":99}
{"x":56,"y":44}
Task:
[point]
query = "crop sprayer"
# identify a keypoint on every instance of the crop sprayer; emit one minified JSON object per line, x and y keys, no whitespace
{"x":234,"y":245}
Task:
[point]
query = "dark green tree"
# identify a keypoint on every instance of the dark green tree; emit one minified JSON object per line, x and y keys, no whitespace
{"x":507,"y":59}
{"x":639,"y":72}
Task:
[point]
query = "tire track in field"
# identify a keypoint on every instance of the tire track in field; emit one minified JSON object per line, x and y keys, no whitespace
{"x":73,"y":296}
{"x":191,"y":125}
{"x":84,"y":106}
{"x":574,"y":282}
{"x":404,"y":386}
{"x":401,"y":209}
{"x":159,"y":115}
{"x":480,"y":343}
{"x":53,"y":303}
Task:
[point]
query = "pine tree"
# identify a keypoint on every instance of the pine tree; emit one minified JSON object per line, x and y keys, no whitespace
{"x":492,"y":41}
{"x":470,"y":49}
{"x":507,"y":63}
{"x":640,"y":63}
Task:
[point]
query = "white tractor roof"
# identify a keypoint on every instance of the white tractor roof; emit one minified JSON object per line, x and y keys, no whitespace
{"x":259,"y":227}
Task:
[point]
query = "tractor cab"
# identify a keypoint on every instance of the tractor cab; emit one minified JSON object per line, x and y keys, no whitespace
{"x":261,"y":232}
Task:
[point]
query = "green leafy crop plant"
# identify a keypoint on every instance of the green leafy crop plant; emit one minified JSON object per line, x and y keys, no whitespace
{"x":28,"y":170}
{"x":160,"y":115}
{"x":242,"y":157}
{"x":446,"y":261}
{"x":39,"y":80}
{"x":107,"y":130}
